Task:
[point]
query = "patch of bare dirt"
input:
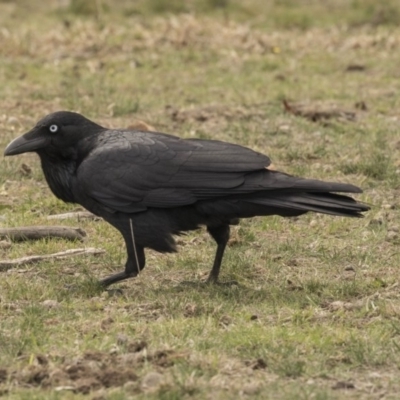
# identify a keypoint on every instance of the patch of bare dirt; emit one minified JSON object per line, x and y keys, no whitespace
{"x":316,"y":114}
{"x":215,"y":111}
{"x":94,"y":370}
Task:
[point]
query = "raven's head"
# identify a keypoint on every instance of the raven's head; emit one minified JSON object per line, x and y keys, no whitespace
{"x":56,"y":134}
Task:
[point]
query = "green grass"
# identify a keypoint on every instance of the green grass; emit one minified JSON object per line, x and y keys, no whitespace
{"x":316,"y":311}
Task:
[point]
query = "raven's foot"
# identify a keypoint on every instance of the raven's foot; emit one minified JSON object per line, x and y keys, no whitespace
{"x":120,"y":276}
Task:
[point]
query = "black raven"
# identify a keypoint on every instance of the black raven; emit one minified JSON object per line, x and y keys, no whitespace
{"x":151,"y":186}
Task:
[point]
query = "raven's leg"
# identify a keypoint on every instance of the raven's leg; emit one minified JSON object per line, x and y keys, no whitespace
{"x":135,"y":263}
{"x":220,"y":234}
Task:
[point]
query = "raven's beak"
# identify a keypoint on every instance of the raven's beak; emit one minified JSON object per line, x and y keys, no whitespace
{"x":26,"y":143}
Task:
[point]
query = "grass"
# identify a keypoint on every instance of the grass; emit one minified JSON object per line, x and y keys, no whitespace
{"x":316,"y":311}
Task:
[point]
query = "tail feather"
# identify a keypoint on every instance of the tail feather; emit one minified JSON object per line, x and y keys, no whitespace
{"x":316,"y":186}
{"x":325,"y":203}
{"x":278,"y":181}
{"x":275,"y":193}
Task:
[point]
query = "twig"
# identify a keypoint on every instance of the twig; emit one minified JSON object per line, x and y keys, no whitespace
{"x":8,"y":264}
{"x":39,"y":232}
{"x":78,"y":215}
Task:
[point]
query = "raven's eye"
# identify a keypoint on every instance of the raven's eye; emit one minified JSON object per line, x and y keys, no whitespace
{"x":53,"y":128}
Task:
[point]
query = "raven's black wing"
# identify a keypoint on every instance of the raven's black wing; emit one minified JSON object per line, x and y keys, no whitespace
{"x":130,"y":171}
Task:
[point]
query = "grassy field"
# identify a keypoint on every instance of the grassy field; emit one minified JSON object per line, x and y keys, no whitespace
{"x":316,"y":312}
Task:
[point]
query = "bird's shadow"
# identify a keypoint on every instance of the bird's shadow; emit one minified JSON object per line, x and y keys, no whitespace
{"x":90,"y":287}
{"x":243,"y":292}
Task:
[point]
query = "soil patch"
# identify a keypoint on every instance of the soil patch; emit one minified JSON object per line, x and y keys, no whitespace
{"x":93,"y":370}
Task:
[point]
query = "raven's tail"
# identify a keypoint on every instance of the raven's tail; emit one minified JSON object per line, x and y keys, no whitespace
{"x":276,"y":193}
{"x":319,"y":202}
{"x":303,"y":195}
{"x":294,"y":195}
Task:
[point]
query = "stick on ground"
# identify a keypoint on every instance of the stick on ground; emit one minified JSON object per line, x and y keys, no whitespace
{"x":8,"y":264}
{"x":39,"y":232}
{"x":78,"y":215}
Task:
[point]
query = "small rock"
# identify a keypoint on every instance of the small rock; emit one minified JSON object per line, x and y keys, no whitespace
{"x":284,"y":128}
{"x":114,"y":349}
{"x":4,"y":244}
{"x":391,"y":236}
{"x":152,"y":380}
{"x":13,"y":121}
{"x":64,"y":388}
{"x":50,"y":303}
{"x":251,"y":389}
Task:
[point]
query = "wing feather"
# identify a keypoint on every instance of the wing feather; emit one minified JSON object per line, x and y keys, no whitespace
{"x":129,"y":171}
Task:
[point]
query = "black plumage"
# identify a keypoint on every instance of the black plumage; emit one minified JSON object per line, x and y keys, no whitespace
{"x":152,"y":186}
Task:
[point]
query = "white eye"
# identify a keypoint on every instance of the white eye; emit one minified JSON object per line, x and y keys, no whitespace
{"x":53,"y":128}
